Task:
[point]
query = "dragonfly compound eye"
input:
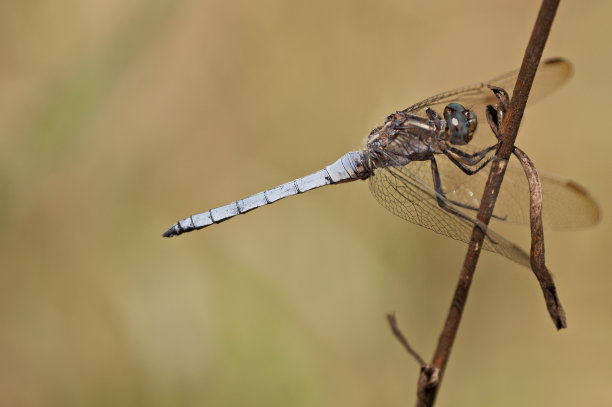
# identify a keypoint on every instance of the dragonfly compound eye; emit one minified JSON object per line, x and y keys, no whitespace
{"x":472,"y":122}
{"x":460,"y":123}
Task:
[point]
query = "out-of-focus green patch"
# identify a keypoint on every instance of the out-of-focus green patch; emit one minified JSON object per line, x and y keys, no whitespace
{"x":264,"y":361}
{"x":73,"y":99}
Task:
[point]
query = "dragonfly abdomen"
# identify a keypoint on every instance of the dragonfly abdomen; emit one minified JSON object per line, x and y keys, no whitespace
{"x":349,"y":167}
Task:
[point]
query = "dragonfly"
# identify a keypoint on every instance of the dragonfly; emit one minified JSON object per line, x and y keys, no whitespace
{"x":423,"y":165}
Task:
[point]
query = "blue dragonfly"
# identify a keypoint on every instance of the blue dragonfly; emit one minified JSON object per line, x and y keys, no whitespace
{"x":423,"y":164}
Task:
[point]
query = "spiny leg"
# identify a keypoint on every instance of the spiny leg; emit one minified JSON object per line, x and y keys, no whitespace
{"x":440,"y":191}
{"x":432,"y":114}
{"x":468,"y":159}
{"x":471,"y":159}
{"x":442,"y":200}
{"x":464,"y":167}
{"x":469,"y":171}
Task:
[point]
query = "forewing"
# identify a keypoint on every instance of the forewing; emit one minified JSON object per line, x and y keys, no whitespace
{"x":551,"y":74}
{"x":414,"y":199}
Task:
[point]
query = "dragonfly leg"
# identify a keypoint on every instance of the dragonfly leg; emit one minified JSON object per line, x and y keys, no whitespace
{"x":468,"y":171}
{"x":443,"y":200}
{"x":441,"y":196}
{"x":465,"y":166}
{"x":471,"y":159}
{"x":432,"y":114}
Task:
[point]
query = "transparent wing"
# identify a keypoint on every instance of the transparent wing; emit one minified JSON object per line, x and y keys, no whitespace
{"x":413,"y":199}
{"x":551,"y":74}
{"x":408,"y":191}
{"x":565,"y":203}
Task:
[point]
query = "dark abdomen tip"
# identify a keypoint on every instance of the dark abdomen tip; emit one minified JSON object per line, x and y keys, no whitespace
{"x":174,"y":230}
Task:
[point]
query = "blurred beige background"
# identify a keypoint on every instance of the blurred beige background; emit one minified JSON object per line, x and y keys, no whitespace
{"x":120,"y":117}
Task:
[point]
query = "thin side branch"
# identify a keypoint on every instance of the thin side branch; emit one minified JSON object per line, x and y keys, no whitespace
{"x":402,"y":339}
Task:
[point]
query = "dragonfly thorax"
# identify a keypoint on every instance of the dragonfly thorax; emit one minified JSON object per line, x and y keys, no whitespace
{"x":405,"y":137}
{"x":460,"y":124}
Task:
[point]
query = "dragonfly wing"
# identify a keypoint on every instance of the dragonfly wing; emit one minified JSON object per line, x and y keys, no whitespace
{"x":565,"y":203}
{"x":551,"y":74}
{"x":414,"y":199}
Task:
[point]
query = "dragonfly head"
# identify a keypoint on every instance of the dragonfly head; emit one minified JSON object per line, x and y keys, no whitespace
{"x":460,"y":124}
